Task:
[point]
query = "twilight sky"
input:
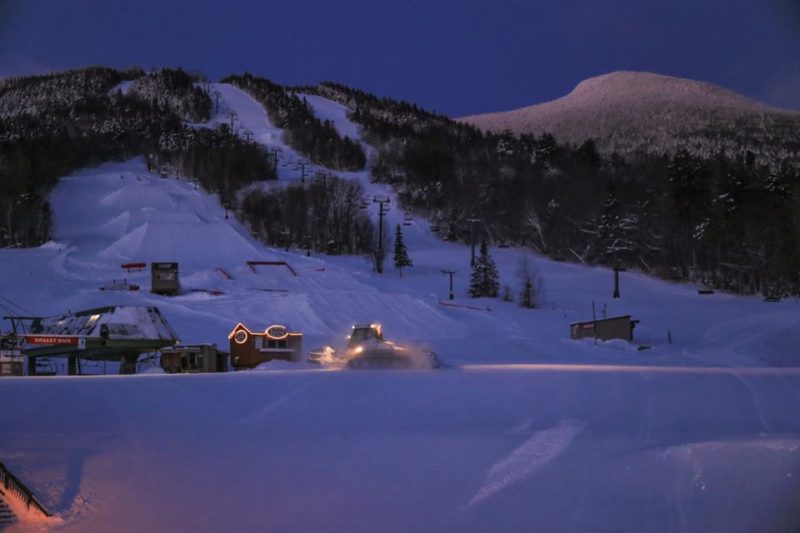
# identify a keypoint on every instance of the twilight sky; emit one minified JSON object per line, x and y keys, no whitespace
{"x":454,"y":56}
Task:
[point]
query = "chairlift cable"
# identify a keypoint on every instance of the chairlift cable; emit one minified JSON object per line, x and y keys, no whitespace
{"x":17,"y":305}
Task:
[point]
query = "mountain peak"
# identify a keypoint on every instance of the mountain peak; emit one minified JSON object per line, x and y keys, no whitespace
{"x":627,"y":111}
{"x":638,"y":87}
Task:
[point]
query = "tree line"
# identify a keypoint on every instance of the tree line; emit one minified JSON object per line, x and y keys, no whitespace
{"x":729,"y":221}
{"x":54,"y":124}
{"x":326,"y":214}
{"x":317,"y":139}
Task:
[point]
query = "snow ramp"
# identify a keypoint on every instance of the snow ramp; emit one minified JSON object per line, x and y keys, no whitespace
{"x":194,"y":246}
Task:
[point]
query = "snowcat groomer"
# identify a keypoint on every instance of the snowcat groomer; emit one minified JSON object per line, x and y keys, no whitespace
{"x":367,"y":348}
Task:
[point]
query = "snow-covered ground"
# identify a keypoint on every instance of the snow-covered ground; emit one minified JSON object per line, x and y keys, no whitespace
{"x":528,"y":431}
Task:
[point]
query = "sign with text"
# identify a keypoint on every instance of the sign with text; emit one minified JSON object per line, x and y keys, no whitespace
{"x":52,"y":339}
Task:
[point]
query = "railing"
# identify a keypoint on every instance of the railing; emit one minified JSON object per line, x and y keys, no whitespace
{"x":14,"y":488}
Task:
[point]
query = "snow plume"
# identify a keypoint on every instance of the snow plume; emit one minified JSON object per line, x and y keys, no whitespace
{"x":533,"y":454}
{"x":422,"y":357}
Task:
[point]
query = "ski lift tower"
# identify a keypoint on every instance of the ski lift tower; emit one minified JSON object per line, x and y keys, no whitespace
{"x":382,"y":200}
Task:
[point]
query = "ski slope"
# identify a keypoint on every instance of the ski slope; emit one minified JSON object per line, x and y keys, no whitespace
{"x":528,"y":431}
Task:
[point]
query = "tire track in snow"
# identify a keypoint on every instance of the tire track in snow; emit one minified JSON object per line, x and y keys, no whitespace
{"x":533,"y":454}
{"x":646,"y":426}
{"x":262,"y":412}
{"x":756,"y":403}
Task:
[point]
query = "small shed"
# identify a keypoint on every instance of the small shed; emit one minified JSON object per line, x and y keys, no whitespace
{"x":10,"y":355}
{"x":193,"y":358}
{"x":164,"y":278}
{"x":10,"y":365}
{"x":618,"y":327}
{"x":251,"y":348}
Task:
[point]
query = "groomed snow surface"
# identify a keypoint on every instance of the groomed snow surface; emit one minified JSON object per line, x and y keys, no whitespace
{"x":526,"y":431}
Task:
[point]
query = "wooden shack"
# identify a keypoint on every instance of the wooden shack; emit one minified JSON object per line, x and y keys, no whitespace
{"x":618,"y":327}
{"x":11,"y":363}
{"x":251,"y":348}
{"x":164,"y":278}
{"x":193,"y":358}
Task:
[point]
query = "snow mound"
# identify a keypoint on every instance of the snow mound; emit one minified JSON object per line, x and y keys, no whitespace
{"x":188,"y":244}
{"x":284,"y":365}
{"x":135,"y":195}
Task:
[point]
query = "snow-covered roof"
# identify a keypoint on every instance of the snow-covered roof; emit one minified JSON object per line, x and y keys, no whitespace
{"x":115,"y":322}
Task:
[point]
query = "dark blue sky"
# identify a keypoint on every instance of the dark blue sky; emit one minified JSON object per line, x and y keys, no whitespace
{"x":457,"y":57}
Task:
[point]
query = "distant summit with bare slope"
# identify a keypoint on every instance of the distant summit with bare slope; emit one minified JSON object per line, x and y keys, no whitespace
{"x":628,"y":112}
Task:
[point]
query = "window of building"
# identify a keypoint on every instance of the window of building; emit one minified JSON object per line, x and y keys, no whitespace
{"x":272,"y":343}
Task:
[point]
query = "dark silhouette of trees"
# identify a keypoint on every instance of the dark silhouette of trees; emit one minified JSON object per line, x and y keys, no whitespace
{"x":54,"y":124}
{"x":323,"y":215}
{"x":728,"y":220}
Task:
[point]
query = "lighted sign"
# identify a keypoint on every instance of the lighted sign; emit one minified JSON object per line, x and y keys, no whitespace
{"x":51,"y":339}
{"x":277,"y":332}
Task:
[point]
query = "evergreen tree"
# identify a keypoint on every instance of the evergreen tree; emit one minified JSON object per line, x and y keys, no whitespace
{"x":401,"y":258}
{"x":485,"y":279}
{"x":616,"y":230}
{"x":530,"y":283}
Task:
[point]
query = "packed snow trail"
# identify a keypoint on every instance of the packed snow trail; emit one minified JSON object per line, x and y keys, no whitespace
{"x":409,"y":451}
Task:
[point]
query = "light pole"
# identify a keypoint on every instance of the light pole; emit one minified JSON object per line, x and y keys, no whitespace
{"x":382,"y":201}
{"x":472,"y":222}
{"x":450,"y":275}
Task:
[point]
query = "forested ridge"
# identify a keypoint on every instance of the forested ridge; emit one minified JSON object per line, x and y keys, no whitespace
{"x":315,"y":138}
{"x":730,"y":220}
{"x":54,"y":124}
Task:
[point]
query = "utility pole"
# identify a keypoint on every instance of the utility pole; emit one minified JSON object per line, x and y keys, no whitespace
{"x":617,"y":270}
{"x":382,"y":201}
{"x":450,"y":275}
{"x":274,"y":152}
{"x":233,"y":116}
{"x":472,"y":222}
{"x":285,"y":234}
{"x":302,"y":171}
{"x":227,"y":206}
{"x":217,"y":94}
